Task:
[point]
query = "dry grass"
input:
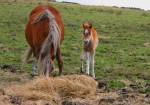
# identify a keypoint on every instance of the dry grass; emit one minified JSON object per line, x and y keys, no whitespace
{"x":54,"y":89}
{"x":68,"y":90}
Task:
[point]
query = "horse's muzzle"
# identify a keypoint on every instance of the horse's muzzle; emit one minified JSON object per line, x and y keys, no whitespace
{"x":86,"y":42}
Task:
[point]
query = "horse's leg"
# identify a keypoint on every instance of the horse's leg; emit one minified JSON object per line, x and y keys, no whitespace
{"x":34,"y":68}
{"x":60,"y":61}
{"x":92,"y":63}
{"x":27,"y":55}
{"x":82,"y":62}
{"x":87,"y":62}
{"x":52,"y":63}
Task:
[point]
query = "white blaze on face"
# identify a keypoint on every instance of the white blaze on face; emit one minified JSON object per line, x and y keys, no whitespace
{"x":86,"y":40}
{"x":86,"y":31}
{"x":86,"y":36}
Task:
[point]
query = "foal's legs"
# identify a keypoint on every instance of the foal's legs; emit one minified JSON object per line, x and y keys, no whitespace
{"x":87,"y":63}
{"x":92,"y":63}
{"x":82,"y":58}
{"x":60,"y":61}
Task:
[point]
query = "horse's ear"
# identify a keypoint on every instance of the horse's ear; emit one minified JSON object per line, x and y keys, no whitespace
{"x":90,"y":25}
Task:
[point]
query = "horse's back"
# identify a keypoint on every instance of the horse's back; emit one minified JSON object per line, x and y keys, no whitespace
{"x":37,"y":33}
{"x":95,"y":38}
{"x":57,"y":15}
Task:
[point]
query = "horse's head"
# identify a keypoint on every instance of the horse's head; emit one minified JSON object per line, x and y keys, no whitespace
{"x":87,"y":26}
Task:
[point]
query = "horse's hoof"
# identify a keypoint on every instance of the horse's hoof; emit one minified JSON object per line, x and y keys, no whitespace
{"x":81,"y":71}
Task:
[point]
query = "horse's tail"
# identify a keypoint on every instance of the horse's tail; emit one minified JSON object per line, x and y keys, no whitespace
{"x":53,"y":39}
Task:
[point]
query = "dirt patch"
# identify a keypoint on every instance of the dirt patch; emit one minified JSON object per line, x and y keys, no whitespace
{"x":5,"y":48}
{"x":8,"y":78}
{"x":147,"y":44}
{"x":9,"y":68}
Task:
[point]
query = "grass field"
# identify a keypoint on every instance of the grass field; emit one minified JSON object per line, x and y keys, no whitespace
{"x":123,"y":52}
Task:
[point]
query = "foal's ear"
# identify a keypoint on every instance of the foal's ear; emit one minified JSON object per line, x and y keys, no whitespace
{"x":90,"y":25}
{"x":82,"y":26}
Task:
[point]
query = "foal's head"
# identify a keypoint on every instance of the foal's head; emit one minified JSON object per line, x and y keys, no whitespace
{"x":87,"y":26}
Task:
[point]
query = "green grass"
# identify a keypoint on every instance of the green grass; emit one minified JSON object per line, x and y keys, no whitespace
{"x":123,"y":52}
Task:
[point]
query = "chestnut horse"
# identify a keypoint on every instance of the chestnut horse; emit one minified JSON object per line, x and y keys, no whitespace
{"x":90,"y":43}
{"x":44,"y":33}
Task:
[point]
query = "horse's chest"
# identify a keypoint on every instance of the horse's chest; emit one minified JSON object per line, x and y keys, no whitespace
{"x":88,"y":46}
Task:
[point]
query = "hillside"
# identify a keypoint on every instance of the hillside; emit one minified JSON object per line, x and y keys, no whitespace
{"x":122,"y":57}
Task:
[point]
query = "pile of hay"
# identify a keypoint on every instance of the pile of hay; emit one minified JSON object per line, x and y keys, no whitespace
{"x":68,"y":90}
{"x":55,"y":89}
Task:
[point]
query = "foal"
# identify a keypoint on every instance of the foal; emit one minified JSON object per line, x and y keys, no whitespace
{"x":90,"y":42}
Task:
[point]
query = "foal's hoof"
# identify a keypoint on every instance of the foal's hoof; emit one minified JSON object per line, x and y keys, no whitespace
{"x":34,"y":74}
{"x":81,"y":70}
{"x":93,"y":76}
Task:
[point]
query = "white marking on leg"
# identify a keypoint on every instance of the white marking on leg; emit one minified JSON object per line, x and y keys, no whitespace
{"x":82,"y":69}
{"x":34,"y":68}
{"x":92,"y":64}
{"x":82,"y":58}
{"x":87,"y":63}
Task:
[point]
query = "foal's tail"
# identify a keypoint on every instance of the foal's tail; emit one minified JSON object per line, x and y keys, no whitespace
{"x":53,"y":39}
